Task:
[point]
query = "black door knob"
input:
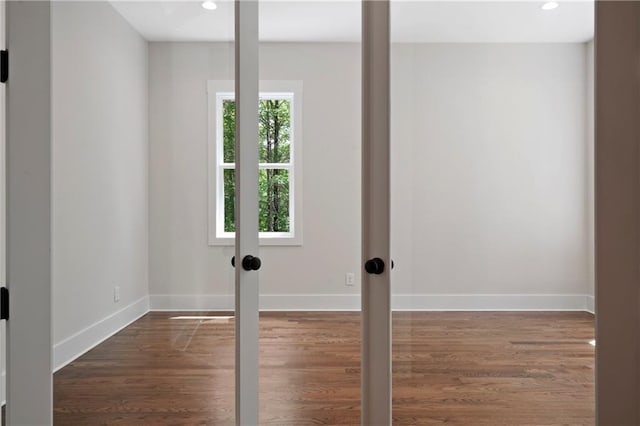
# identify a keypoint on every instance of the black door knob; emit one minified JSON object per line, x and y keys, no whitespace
{"x":251,"y":263}
{"x":374,"y":266}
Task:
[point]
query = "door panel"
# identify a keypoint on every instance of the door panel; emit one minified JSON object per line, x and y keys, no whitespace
{"x":491,"y":208}
{"x":310,"y":211}
{"x":131,"y":158}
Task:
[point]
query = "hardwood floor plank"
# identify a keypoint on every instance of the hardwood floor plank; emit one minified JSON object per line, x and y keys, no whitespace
{"x":460,"y":368}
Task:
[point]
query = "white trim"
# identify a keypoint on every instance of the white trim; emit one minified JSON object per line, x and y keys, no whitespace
{"x":489,"y":302}
{"x":310,"y":302}
{"x":591,"y":304}
{"x":29,"y":385}
{"x":81,"y":342}
{"x":3,"y":378}
{"x":191,"y":302}
{"x":217,"y":91}
{"x":400,"y":302}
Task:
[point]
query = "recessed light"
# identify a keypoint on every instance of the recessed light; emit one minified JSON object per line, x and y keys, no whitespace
{"x":592,"y":342}
{"x":209,"y":5}
{"x":550,"y":5}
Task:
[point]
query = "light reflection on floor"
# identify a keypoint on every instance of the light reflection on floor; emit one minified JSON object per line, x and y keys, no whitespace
{"x":204,"y":317}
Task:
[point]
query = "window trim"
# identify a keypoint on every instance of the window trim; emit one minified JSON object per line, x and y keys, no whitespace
{"x":217,"y":92}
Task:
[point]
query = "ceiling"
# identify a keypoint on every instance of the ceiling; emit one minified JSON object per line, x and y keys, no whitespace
{"x":340,"y":21}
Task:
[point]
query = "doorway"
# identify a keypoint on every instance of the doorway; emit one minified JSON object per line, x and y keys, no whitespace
{"x":276,"y":173}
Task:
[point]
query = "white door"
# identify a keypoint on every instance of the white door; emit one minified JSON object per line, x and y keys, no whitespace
{"x":29,"y":386}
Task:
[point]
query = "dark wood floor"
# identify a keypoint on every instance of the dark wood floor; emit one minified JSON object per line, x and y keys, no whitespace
{"x":460,"y":368}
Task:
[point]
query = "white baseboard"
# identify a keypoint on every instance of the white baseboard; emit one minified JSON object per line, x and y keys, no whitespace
{"x":310,"y":302}
{"x":400,"y":302}
{"x":268,"y":302}
{"x":191,"y":302}
{"x":72,"y":347}
{"x":591,"y":304}
{"x":489,"y":302}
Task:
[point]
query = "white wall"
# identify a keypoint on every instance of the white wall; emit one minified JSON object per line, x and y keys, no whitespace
{"x":100,"y":168}
{"x":496,"y":162}
{"x":181,"y":261}
{"x":489,"y":172}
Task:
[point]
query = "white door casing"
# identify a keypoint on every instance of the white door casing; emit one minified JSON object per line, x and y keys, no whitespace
{"x":28,"y":200}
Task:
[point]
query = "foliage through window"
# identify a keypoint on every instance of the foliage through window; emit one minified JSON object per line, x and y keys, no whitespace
{"x":274,"y":128}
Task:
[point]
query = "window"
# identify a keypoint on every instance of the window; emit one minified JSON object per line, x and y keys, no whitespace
{"x":279,"y":179}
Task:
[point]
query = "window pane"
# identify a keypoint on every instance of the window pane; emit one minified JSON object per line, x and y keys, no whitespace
{"x":274,"y":200}
{"x":275,"y":130}
{"x":229,"y":131}
{"x":229,"y":200}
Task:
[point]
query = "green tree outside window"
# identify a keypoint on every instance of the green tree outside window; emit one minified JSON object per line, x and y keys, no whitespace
{"x":274,"y":138}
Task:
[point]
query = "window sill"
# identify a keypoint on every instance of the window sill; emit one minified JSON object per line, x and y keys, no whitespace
{"x":263,"y":241}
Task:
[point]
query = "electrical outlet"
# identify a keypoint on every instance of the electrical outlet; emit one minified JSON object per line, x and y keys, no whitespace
{"x":350,"y":279}
{"x":116,"y":294}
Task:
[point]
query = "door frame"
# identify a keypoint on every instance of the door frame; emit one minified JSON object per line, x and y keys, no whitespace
{"x":617,"y":212}
{"x":28,"y":214}
{"x":3,"y":276}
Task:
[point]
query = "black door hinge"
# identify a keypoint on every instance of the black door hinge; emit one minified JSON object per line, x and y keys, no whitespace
{"x":4,"y":303}
{"x":4,"y":66}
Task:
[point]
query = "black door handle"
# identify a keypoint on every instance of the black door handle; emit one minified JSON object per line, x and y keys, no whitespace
{"x":374,"y":266}
{"x":249,"y":263}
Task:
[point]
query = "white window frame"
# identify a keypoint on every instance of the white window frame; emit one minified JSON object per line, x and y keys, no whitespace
{"x":219,"y":91}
